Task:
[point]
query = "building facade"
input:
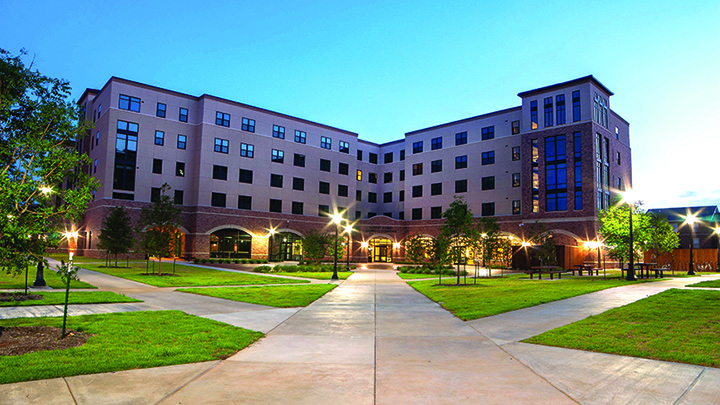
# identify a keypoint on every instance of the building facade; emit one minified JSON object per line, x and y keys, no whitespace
{"x":251,"y":182}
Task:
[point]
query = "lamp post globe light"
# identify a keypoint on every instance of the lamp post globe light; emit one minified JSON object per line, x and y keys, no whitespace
{"x":691,"y":219}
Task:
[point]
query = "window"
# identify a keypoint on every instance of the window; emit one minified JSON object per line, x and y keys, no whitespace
{"x":222,"y":119}
{"x":548,"y":105}
{"x":178,"y":197}
{"x":183,"y":115}
{"x":417,"y":191}
{"x":436,"y":166}
{"x":218,"y":200}
{"x":222,"y":145}
{"x":372,"y":178}
{"x":387,"y":177}
{"x":488,"y":133}
{"x":560,"y":104}
{"x":516,"y":179}
{"x":275,"y":205}
{"x":515,"y":127}
{"x":97,"y":138}
{"x":358,"y":195}
{"x":388,"y":214}
{"x":488,"y":209}
{"x":401,"y":195}
{"x":324,"y":187}
{"x":278,"y":156}
{"x":417,"y":147}
{"x":618,"y":158}
{"x":359,"y":155}
{"x":436,"y":143}
{"x":244,"y":202}
{"x":555,"y":174}
{"x":125,"y":158}
{"x":387,"y":197}
{"x":343,"y":168}
{"x":516,"y":207}
{"x":300,"y":136}
{"x":99,"y":111}
{"x":460,"y":186}
{"x":276,"y":180}
{"x":488,"y":183}
{"x":578,"y":200}
{"x":388,"y":157}
{"x":461,"y":162}
{"x":417,"y":169}
{"x":372,"y":197}
{"x":299,"y":160}
{"x":160,"y":110}
{"x":461,"y":138}
{"x":278,"y":132}
{"x":401,"y":215}
{"x":246,"y":176}
{"x":402,"y":155}
{"x":324,"y":165}
{"x":159,"y":138}
{"x":370,"y":215}
{"x":436,"y":189}
{"x":297,"y":207}
{"x":342,"y":190}
{"x":358,"y":214}
{"x":325,"y":142}
{"x":488,"y":158}
{"x":298,"y":183}
{"x":515,"y":153}
{"x":181,"y":141}
{"x":220,"y":172}
{"x":600,"y":111}
{"x":180,"y":169}
{"x":157,"y":166}
{"x":416,"y":214}
{"x":344,"y":147}
{"x":533,"y":114}
{"x":323,"y":210}
{"x":95,"y":166}
{"x":247,"y":150}
{"x":435,"y":212}
{"x":129,"y":103}
{"x":373,"y":158}
{"x":402,"y":175}
{"x":154,"y":194}
{"x":248,"y":125}
{"x":359,"y":175}
{"x":576,"y":105}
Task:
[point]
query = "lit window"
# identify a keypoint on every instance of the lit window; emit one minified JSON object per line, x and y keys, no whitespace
{"x":222,"y":119}
{"x":300,"y":136}
{"x":248,"y":125}
{"x":129,"y":103}
{"x":278,"y":132}
{"x":222,"y":145}
{"x":247,"y":150}
{"x":325,"y":142}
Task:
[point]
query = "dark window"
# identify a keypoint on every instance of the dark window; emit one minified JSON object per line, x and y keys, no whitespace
{"x":323,"y":210}
{"x":278,"y":156}
{"x":389,"y":157}
{"x":516,"y":207}
{"x":436,"y":189}
{"x":180,"y":169}
{"x":416,"y":214}
{"x":488,"y":209}
{"x":125,"y":157}
{"x":515,"y":153}
{"x":515,"y":127}
{"x":161,"y":110}
{"x":372,"y":178}
{"x":488,"y":133}
{"x":387,"y":177}
{"x":179,"y":196}
{"x":401,"y":215}
{"x":244,"y":202}
{"x":576,"y":105}
{"x":488,"y":158}
{"x":324,"y":187}
{"x":370,"y":215}
{"x":372,"y":197}
{"x":222,"y":145}
{"x":157,"y":166}
{"x":248,"y":125}
{"x":516,"y":180}
{"x":344,"y":147}
{"x":276,"y":180}
{"x":373,"y":158}
{"x":297,"y":207}
{"x":417,"y":147}
{"x":159,"y":138}
{"x":300,"y":136}
{"x":218,"y":200}
{"x":436,"y":143}
{"x":358,"y":214}
{"x":220,"y":172}
{"x":460,"y":186}
{"x":183,"y":115}
{"x":324,"y":165}
{"x":548,"y":105}
{"x":461,"y":138}
{"x":298,"y":183}
{"x":358,"y":195}
{"x":275,"y":205}
{"x":488,"y":183}
{"x":435,"y":212}
{"x":578,"y":200}
{"x":343,"y":168}
{"x":388,"y":214}
{"x":299,"y":160}
{"x":247,"y":150}
{"x":460,"y":162}
{"x":154,"y":194}
{"x":278,"y":132}
{"x":129,"y":103}
{"x":182,"y":141}
{"x":325,"y":142}
{"x":359,"y":155}
{"x":618,"y":158}
{"x":417,"y":191}
{"x":533,"y":114}
{"x":401,"y":195}
{"x":417,"y":169}
{"x":555,"y":174}
{"x":560,"y":104}
{"x":123,"y":196}
{"x":222,"y":119}
{"x":436,"y":166}
{"x":387,"y":197}
{"x":402,"y":155}
{"x":246,"y":176}
{"x":402,"y":175}
{"x":342,"y":190}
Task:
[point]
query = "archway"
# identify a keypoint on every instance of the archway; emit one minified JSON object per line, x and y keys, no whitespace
{"x":380,"y":250}
{"x":230,"y":243}
{"x":285,"y":246}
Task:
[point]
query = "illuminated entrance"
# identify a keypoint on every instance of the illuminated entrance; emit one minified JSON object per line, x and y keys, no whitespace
{"x":380,"y":250}
{"x":285,"y":246}
{"x":230,"y":243}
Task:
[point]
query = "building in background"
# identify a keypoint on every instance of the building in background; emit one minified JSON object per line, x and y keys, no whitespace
{"x":240,"y":171}
{"x":702,"y":233}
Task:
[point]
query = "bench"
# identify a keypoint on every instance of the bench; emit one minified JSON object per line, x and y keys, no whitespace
{"x":540,"y":273}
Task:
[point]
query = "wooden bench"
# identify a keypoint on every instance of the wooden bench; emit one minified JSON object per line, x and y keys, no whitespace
{"x":540,"y":273}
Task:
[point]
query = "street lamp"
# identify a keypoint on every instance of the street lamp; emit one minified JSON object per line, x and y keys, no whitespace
{"x":336,"y":219}
{"x":71,"y":236}
{"x":717,"y":261}
{"x":525,"y":245}
{"x":628,"y":198}
{"x":271,"y":234}
{"x":690,"y":220}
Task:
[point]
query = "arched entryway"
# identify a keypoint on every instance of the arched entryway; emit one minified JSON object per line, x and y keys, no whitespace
{"x":230,"y":243}
{"x":380,"y":250}
{"x":285,"y":246}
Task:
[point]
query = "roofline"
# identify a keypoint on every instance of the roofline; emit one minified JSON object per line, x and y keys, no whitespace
{"x":584,"y":79}
{"x":86,"y":92}
{"x":464,"y":120}
{"x":391,"y":142}
{"x":619,"y":117}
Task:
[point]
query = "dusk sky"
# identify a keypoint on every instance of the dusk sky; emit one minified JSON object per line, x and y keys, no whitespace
{"x":384,"y":68}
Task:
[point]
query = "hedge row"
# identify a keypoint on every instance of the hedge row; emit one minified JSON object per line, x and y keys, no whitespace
{"x":236,"y":261}
{"x":304,"y":268}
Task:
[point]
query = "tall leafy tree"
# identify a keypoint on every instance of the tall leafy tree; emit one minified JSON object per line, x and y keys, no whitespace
{"x":543,"y":245}
{"x":116,"y":235}
{"x":315,"y":245}
{"x":38,"y":130}
{"x":661,"y":238}
{"x":418,"y":248}
{"x":459,"y":229}
{"x":615,"y":231}
{"x":159,"y":225}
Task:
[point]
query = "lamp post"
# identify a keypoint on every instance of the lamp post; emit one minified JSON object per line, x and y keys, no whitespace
{"x":628,"y":198}
{"x":690,"y":220}
{"x":717,"y":261}
{"x":336,"y":219}
{"x":348,"y":231}
{"x":271,"y":235}
{"x":525,"y":246}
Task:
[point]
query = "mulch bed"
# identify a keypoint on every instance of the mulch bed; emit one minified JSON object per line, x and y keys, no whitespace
{"x":10,"y":297}
{"x":17,"y":340}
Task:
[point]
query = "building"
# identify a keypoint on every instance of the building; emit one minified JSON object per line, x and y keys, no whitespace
{"x":251,"y":180}
{"x":702,"y":233}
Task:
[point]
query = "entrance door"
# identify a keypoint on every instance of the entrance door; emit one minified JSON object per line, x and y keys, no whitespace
{"x":381,"y":250}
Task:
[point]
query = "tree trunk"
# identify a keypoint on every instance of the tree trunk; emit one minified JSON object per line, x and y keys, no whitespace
{"x":26,"y":278}
{"x":159,"y":265}
{"x":116,"y":259}
{"x":67,"y":298}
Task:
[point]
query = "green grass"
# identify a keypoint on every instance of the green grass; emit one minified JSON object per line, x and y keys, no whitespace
{"x":274,"y":296}
{"x":83,"y":259}
{"x":187,"y":276}
{"x":125,"y":341}
{"x":709,"y":284}
{"x":498,"y":295}
{"x":14,"y":281}
{"x":320,"y":275}
{"x":76,"y":297}
{"x":411,"y":276}
{"x":675,"y":325}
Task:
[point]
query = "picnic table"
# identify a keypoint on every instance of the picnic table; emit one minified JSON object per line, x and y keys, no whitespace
{"x":545,"y":269}
{"x":646,"y":267}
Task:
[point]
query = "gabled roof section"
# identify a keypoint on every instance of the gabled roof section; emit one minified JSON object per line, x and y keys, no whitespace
{"x":707,"y":214}
{"x":582,"y":80}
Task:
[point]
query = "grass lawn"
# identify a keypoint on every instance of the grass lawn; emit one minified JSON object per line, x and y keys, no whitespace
{"x":52,"y":279}
{"x":274,"y":296}
{"x":498,"y":295}
{"x":187,"y":276}
{"x":675,"y":325}
{"x":411,"y":276}
{"x":83,"y":259}
{"x":709,"y":284}
{"x":125,"y":341}
{"x":76,"y":297}
{"x":320,"y":275}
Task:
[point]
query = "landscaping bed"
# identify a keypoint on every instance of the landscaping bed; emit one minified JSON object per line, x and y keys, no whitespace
{"x":275,"y":296}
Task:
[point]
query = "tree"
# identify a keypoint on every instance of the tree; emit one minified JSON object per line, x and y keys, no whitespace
{"x":342,"y":240}
{"x":544,"y":245}
{"x":315,"y":245}
{"x":489,"y":239}
{"x":459,"y":228}
{"x":116,"y":235}
{"x":160,"y":223}
{"x":615,"y":230}
{"x":67,"y":273}
{"x":418,"y":248}
{"x":660,"y":236}
{"x":38,"y":131}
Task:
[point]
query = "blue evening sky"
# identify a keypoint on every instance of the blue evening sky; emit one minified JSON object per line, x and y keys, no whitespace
{"x":383,"y":68}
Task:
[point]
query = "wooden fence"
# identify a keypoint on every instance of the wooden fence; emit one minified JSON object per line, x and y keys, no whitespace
{"x":679,"y":259}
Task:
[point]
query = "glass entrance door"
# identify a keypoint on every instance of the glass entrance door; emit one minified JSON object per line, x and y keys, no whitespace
{"x":380,"y":250}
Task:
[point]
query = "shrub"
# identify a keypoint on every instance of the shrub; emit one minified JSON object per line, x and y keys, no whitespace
{"x":262,"y":269}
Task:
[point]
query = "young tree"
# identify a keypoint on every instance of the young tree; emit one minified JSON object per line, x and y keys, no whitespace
{"x":160,"y":223}
{"x":615,"y":231}
{"x":342,"y":240}
{"x":661,"y":238}
{"x":544,"y":245}
{"x":489,"y":239}
{"x":116,"y":235}
{"x":315,"y":245}
{"x":418,"y":248}
{"x":38,"y":130}
{"x":67,"y":273}
{"x":459,"y":229}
